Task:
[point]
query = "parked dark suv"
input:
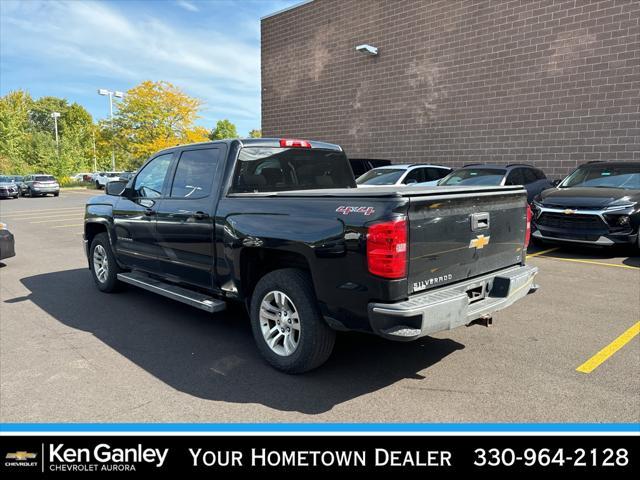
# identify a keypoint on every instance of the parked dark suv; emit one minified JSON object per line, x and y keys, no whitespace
{"x":533,"y":179}
{"x":37,"y":185}
{"x":598,"y":204}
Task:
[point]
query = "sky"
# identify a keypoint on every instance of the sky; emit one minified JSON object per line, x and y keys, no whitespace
{"x":208,"y":48}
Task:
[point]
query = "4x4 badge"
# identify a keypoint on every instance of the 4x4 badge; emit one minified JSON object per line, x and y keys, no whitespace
{"x":479,"y":242}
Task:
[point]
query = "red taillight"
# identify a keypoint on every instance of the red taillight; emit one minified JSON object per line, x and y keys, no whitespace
{"x":288,"y":142}
{"x":387,"y":249}
{"x":527,"y":236}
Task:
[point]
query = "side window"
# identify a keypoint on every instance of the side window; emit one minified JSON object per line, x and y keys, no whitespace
{"x":414,"y":176}
{"x":195,"y":172}
{"x":435,"y":174}
{"x":539,"y":174}
{"x":150,"y":180}
{"x":515,"y":177}
{"x":529,"y":176}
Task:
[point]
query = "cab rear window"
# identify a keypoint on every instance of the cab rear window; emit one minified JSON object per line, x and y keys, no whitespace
{"x":263,"y":169}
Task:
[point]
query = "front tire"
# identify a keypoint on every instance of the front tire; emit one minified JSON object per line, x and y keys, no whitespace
{"x":287,"y":325}
{"x":103,"y":265}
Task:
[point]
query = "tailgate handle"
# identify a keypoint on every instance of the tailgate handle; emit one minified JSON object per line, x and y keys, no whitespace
{"x":479,"y":221}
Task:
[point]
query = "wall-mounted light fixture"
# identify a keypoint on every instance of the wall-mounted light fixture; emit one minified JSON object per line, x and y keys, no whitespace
{"x":367,"y":49}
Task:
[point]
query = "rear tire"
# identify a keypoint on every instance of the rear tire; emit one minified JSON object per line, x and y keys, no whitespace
{"x":56,"y":194}
{"x":103,"y":265}
{"x":284,"y":303}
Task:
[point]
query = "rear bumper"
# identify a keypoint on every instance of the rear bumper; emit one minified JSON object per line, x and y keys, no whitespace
{"x":45,"y":190}
{"x":7,"y":245}
{"x":450,"y":307}
{"x":604,"y":240}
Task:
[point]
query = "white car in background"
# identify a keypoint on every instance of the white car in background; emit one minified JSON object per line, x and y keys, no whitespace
{"x":400,"y":175}
{"x":102,"y":178}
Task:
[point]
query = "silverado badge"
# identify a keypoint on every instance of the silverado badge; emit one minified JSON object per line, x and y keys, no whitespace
{"x":479,"y":242}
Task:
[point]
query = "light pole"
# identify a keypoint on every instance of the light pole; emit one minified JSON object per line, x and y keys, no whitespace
{"x":55,"y":116}
{"x":111,"y":94}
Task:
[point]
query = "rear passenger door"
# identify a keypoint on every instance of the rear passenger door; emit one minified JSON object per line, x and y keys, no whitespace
{"x":185,"y":225}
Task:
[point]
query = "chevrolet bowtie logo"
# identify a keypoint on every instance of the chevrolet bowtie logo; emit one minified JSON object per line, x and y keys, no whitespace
{"x":568,"y":211}
{"x":479,"y":242}
{"x":20,"y":456}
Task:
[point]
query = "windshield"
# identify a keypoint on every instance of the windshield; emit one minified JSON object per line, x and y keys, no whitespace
{"x":4,"y":179}
{"x":264,"y":169}
{"x":17,"y":178}
{"x":604,"y":176}
{"x":381,"y":176}
{"x":474,"y":176}
{"x":44,"y":178}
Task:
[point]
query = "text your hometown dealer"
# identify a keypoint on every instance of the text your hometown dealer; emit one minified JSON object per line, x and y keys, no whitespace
{"x":104,"y":453}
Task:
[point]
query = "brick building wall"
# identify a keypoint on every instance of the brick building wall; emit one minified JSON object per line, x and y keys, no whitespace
{"x":554,"y":83}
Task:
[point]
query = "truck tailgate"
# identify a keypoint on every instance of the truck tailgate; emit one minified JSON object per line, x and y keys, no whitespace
{"x":457,"y":237}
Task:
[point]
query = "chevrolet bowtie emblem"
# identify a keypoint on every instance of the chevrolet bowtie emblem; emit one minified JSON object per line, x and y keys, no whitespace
{"x":479,"y":242}
{"x":568,"y":211}
{"x":20,"y":456}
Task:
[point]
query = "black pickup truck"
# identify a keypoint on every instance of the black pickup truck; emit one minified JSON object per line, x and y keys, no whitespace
{"x":280,"y":225}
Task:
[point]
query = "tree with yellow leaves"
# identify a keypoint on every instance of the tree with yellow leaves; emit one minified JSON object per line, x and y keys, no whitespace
{"x":153,"y":116}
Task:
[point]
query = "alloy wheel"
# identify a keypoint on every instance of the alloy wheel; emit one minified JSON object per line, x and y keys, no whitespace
{"x":280,"y":323}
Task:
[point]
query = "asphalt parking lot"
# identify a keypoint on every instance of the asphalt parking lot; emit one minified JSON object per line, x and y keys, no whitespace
{"x":69,"y":353}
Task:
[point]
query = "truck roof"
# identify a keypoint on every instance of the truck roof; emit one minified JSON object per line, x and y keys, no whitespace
{"x":260,"y":142}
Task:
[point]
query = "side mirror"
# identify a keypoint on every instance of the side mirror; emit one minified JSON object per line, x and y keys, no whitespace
{"x":413,"y":180}
{"x":115,"y":188}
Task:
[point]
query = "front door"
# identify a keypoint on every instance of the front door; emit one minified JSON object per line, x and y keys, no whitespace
{"x":185,"y":224}
{"x":134,"y":216}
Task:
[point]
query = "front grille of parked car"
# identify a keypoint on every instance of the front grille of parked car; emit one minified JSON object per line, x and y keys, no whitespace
{"x":571,"y":221}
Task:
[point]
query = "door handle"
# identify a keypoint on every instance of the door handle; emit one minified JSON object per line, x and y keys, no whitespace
{"x":148,"y":212}
{"x":200,"y":215}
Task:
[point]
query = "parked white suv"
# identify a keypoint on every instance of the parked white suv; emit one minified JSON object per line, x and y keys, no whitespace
{"x":102,"y":178}
{"x":414,"y":174}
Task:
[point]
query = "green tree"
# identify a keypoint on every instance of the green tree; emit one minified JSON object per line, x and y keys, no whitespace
{"x":153,"y":116}
{"x":224,"y":129}
{"x":41,"y":110}
{"x":14,"y":135}
{"x":255,"y":133}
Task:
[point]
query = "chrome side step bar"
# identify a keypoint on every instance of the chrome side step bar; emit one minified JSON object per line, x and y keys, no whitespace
{"x":169,"y":290}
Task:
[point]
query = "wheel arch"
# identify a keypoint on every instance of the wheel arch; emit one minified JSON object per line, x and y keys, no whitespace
{"x":255,"y":263}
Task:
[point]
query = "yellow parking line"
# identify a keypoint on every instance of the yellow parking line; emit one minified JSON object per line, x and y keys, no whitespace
{"x":543,"y":252}
{"x":57,"y":220}
{"x":595,"y":361}
{"x":591,"y":262}
{"x":74,"y":225}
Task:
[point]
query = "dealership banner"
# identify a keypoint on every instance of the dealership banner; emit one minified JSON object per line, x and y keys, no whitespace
{"x":413,"y":454}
